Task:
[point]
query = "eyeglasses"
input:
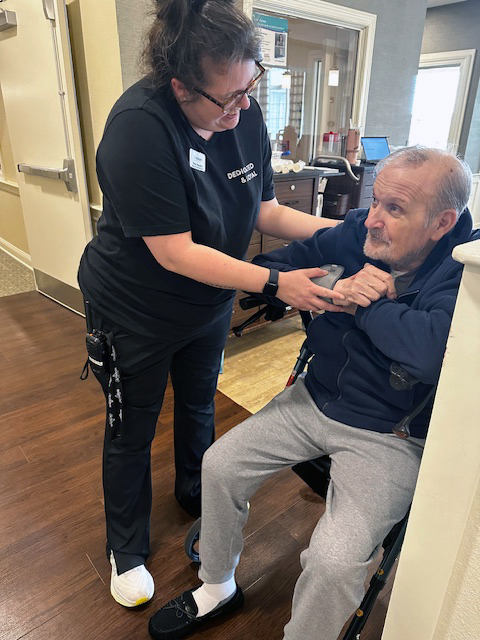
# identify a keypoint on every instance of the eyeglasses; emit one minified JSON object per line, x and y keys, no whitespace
{"x":231,"y":102}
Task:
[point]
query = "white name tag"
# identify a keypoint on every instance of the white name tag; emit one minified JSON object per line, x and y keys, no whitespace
{"x":198,"y":160}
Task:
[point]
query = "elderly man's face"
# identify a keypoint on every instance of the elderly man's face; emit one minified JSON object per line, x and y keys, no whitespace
{"x":396,"y":221}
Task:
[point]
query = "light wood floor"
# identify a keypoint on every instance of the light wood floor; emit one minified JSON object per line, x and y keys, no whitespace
{"x":258,"y":364}
{"x":54,"y":577}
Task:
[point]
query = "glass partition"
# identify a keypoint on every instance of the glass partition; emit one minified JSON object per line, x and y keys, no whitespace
{"x":306,"y":96}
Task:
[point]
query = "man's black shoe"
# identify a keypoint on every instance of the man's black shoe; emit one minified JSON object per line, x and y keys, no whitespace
{"x":177,"y":619}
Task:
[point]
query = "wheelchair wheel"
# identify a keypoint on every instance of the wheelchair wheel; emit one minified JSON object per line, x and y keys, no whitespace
{"x":191,"y":541}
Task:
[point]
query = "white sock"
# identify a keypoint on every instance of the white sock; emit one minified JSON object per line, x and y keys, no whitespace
{"x":209,"y":596}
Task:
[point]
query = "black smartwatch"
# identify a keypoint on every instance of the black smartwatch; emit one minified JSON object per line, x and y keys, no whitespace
{"x":271,"y":286}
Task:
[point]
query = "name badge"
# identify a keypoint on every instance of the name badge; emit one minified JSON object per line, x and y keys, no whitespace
{"x":198,"y":160}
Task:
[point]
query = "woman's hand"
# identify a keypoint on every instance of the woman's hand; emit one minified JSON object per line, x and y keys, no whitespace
{"x":178,"y":253}
{"x":296,"y":289}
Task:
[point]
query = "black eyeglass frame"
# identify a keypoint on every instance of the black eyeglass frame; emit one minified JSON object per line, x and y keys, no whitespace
{"x":237,"y":97}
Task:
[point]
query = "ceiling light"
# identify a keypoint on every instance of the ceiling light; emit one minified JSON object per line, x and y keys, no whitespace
{"x":334,"y":73}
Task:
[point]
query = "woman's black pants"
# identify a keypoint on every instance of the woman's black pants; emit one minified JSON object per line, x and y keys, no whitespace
{"x":145,"y":363}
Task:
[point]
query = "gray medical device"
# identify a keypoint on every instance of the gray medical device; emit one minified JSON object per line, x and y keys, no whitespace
{"x":335,"y":272}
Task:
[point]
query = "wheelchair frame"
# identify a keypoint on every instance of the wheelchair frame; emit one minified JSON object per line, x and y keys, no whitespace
{"x":316,"y":474}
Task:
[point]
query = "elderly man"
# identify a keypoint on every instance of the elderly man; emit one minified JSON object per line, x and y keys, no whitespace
{"x":400,"y":284}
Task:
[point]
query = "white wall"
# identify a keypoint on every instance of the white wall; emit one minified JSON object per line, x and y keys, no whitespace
{"x":474,"y":201}
{"x":437,"y":586}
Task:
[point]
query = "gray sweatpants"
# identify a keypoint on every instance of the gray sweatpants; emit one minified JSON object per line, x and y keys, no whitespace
{"x":373,"y":477}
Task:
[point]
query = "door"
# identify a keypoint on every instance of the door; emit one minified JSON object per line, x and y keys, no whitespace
{"x":36,"y":77}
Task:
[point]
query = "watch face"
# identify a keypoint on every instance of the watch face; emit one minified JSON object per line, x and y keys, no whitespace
{"x":270,"y":289}
{"x":271,"y":286}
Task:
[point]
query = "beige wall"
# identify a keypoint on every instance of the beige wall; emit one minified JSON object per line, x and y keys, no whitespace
{"x":13,"y":236}
{"x":12,"y":228}
{"x":460,"y":616}
{"x":98,"y":74}
{"x":436,"y":591}
{"x":98,"y":77}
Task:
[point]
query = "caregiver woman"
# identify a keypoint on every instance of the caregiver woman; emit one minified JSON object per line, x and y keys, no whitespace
{"x":184,"y":167}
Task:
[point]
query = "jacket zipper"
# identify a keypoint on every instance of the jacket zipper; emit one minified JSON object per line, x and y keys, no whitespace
{"x":340,"y":373}
{"x":408,"y":293}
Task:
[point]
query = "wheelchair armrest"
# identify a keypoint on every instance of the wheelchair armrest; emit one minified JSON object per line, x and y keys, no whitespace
{"x":270,"y":312}
{"x":273,"y":309}
{"x":250,"y":302}
{"x":254,"y":299}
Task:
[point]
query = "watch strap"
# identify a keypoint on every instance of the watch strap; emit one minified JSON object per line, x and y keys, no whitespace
{"x":271,"y":286}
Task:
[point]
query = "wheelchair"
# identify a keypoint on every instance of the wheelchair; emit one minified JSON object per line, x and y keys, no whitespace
{"x":316,"y":473}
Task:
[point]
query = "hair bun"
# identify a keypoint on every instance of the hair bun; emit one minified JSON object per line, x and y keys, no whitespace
{"x":197,"y":5}
{"x":187,"y":31}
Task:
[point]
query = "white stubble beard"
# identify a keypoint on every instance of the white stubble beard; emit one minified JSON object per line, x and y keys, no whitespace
{"x":382,"y":252}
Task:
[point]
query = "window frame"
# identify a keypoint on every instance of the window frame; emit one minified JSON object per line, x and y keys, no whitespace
{"x":339,"y":16}
{"x":465,"y":59}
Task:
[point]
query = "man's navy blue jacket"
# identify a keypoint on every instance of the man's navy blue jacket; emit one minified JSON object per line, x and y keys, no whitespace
{"x":348,"y":377}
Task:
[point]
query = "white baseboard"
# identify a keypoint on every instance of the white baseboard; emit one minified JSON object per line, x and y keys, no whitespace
{"x":13,"y":251}
{"x":8,"y":185}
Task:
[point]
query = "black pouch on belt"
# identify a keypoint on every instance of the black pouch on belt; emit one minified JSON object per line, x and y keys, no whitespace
{"x":97,"y":350}
{"x":102,"y":359}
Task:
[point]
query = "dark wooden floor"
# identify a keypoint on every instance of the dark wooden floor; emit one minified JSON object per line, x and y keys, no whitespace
{"x":54,"y":577}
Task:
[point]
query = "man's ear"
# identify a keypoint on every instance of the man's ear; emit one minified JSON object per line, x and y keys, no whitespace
{"x":442,"y":223}
{"x":180,"y":91}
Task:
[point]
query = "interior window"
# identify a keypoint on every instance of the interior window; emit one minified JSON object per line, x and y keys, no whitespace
{"x":312,"y":94}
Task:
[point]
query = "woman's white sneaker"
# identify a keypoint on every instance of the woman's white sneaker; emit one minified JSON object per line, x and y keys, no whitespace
{"x":132,"y":588}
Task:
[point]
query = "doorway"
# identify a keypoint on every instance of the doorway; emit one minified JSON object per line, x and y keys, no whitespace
{"x":39,"y":98}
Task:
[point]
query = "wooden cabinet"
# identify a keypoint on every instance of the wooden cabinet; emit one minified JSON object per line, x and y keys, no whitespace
{"x":296,"y":190}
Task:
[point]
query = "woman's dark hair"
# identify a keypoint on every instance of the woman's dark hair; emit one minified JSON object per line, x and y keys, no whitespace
{"x":185,"y":32}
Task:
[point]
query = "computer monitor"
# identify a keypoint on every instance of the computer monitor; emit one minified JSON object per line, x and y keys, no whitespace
{"x":375,"y":149}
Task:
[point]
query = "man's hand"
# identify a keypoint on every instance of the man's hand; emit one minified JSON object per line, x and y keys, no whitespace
{"x":296,"y":288}
{"x":363,"y":288}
